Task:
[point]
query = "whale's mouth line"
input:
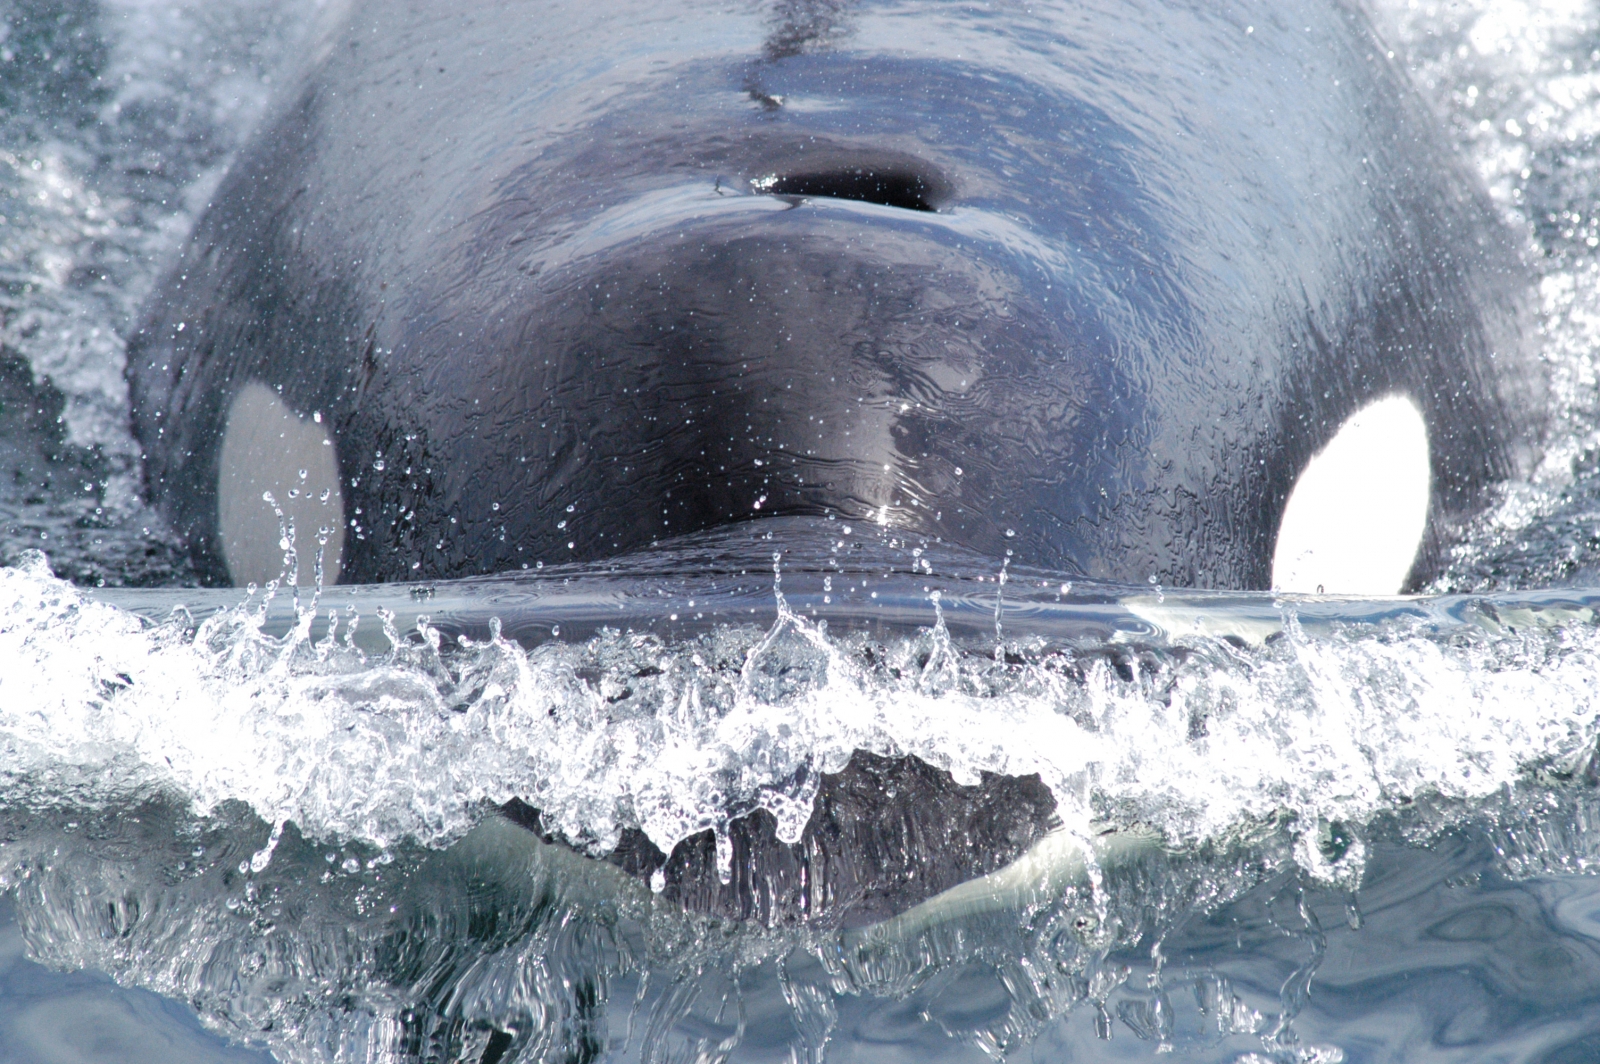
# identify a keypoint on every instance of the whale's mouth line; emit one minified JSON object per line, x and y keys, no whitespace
{"x":851,"y":575}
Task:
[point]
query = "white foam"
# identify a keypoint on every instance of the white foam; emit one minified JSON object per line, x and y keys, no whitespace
{"x":1317,"y":729}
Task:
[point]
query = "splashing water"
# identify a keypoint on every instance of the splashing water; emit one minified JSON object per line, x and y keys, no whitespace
{"x":1193,"y":739}
{"x":1285,"y":753}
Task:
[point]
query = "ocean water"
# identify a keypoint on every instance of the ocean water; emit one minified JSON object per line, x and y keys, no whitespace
{"x":247,"y":827}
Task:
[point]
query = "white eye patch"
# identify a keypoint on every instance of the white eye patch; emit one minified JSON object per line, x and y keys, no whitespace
{"x":267,"y":448}
{"x":1355,"y":517}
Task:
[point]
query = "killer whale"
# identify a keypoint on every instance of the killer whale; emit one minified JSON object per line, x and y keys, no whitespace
{"x":1094,"y":287}
{"x":506,"y":284}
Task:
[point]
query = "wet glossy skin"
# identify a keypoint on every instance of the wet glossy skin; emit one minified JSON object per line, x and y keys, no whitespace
{"x":1086,"y":281}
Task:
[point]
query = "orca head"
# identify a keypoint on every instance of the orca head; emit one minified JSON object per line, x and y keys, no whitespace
{"x":1028,"y":281}
{"x":826,"y":293}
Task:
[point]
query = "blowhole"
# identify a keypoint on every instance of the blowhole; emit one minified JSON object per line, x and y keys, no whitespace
{"x":887,"y":187}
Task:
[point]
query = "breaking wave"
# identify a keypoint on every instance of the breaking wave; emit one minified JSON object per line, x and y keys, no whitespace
{"x":286,"y":812}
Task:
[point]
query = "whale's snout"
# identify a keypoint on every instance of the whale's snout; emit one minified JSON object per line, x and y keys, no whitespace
{"x":831,"y":336}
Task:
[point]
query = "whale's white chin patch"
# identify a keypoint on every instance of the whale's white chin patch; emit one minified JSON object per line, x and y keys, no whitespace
{"x":1355,"y":517}
{"x":267,"y":448}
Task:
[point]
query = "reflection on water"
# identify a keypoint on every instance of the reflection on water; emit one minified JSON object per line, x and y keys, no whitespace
{"x":502,"y":948}
{"x":50,"y":1017}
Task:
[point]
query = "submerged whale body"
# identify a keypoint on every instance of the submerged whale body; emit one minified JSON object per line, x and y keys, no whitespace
{"x":1132,"y":289}
{"x":853,"y":866}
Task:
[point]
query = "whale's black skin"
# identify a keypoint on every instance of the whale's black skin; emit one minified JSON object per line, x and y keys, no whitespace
{"x":1087,"y":281}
